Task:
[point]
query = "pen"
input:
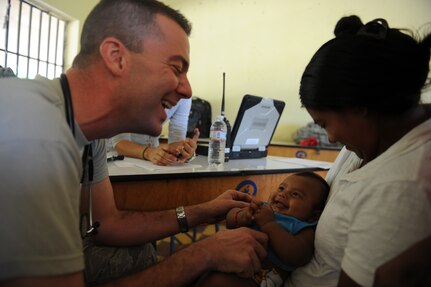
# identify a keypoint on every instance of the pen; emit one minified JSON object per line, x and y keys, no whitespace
{"x":115,"y":157}
{"x":180,"y":156}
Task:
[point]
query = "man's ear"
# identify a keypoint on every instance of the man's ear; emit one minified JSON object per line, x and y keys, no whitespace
{"x":114,"y":54}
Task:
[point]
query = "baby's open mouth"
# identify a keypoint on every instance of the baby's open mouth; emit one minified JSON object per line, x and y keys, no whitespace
{"x":280,"y":205}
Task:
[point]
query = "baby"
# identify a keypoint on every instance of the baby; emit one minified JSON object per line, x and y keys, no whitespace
{"x":289,"y":219}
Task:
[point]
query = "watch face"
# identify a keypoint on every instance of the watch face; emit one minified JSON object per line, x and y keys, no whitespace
{"x":181,"y":212}
{"x":182,"y":220}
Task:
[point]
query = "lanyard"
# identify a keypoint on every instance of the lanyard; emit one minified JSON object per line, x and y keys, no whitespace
{"x":87,"y":226}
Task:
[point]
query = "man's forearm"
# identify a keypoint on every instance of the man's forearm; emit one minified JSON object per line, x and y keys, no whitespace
{"x":218,"y":252}
{"x":137,"y":227}
{"x":130,"y":228}
{"x":125,"y":228}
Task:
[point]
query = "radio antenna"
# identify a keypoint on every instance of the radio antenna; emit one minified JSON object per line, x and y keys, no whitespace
{"x":222,"y":101}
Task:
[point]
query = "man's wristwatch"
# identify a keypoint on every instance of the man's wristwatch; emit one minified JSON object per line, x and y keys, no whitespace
{"x":182,"y":219}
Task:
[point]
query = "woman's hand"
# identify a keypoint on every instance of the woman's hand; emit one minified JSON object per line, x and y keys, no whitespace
{"x":174,"y":153}
{"x":184,"y":150}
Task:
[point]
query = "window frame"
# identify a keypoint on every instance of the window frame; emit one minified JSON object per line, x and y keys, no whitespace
{"x":48,"y":62}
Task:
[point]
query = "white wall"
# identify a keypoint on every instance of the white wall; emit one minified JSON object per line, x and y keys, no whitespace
{"x":264,"y":45}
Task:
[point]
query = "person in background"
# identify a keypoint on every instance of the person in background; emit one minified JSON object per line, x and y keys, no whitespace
{"x":364,"y":87}
{"x":289,"y":218}
{"x":6,"y":72}
{"x":132,"y":65}
{"x":148,"y":148}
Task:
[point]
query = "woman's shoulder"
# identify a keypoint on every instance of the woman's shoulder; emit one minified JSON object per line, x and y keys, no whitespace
{"x":345,"y":162}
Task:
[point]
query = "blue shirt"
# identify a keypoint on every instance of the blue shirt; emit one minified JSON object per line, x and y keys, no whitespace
{"x":291,"y":225}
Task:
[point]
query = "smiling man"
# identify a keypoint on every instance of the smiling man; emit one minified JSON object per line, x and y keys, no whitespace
{"x":132,"y":65}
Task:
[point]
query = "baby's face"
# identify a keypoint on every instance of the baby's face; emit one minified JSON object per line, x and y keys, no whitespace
{"x":297,"y":196}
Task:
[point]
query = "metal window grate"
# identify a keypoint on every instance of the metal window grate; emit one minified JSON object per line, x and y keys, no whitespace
{"x":31,"y":40}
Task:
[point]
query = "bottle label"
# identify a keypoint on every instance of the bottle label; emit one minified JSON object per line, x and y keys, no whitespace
{"x":218,"y":135}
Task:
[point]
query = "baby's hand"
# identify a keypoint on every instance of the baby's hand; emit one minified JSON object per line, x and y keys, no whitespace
{"x":254,"y":206}
{"x":244,"y":216}
{"x":263,"y":215}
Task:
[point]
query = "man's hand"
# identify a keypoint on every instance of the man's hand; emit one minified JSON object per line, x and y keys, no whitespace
{"x":216,"y":209}
{"x":237,"y":251}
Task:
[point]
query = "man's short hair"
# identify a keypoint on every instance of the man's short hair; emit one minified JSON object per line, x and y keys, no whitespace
{"x":130,"y":21}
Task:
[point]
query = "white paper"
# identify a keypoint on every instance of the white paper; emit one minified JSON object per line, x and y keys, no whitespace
{"x":130,"y":162}
{"x":306,"y":162}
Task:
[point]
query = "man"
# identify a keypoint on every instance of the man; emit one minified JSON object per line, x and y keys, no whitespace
{"x":133,"y":63}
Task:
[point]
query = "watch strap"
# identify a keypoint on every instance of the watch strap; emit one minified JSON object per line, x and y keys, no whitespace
{"x":182,"y":219}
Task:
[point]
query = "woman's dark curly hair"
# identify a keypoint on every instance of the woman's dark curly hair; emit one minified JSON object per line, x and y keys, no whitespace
{"x":371,"y":65}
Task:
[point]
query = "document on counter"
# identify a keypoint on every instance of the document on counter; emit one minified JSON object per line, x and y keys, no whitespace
{"x":306,"y":162}
{"x":131,"y":162}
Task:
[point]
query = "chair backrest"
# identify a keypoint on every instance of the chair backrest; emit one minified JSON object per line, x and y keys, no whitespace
{"x":199,"y":117}
{"x":6,"y":72}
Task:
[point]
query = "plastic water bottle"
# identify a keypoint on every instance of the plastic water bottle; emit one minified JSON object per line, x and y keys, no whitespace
{"x":217,"y":144}
{"x":228,"y":139}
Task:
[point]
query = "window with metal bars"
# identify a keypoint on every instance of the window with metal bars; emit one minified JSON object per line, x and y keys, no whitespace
{"x":31,"y":40}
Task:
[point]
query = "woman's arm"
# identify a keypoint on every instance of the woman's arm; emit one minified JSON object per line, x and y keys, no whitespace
{"x":130,"y":149}
{"x":178,"y":121}
{"x":410,"y":268}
